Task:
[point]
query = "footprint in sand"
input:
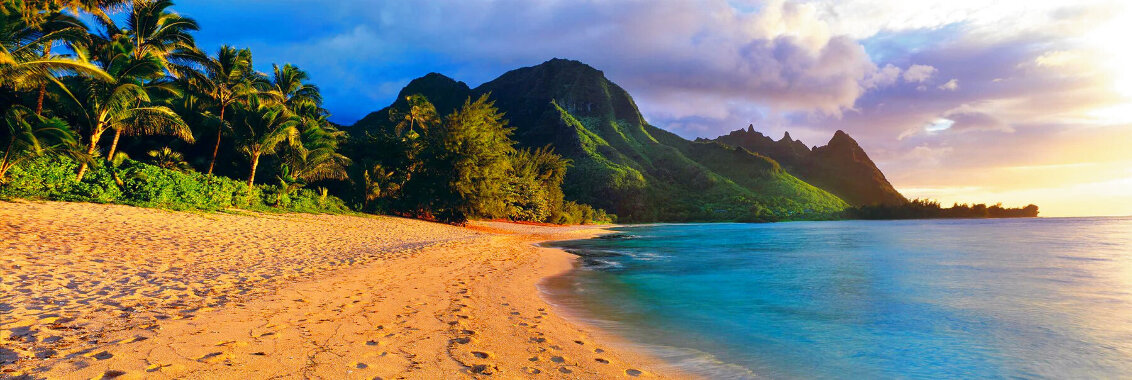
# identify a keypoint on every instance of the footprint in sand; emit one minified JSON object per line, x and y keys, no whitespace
{"x":210,"y":357}
{"x":103,"y":356}
{"x":557,"y":359}
{"x":112,"y":373}
{"x":564,"y":370}
{"x":632,"y":372}
{"x":481,"y":355}
{"x":531,"y":371}
{"x":602,"y":361}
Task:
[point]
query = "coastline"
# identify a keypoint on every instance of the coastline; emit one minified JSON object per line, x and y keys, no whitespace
{"x":235,"y":296}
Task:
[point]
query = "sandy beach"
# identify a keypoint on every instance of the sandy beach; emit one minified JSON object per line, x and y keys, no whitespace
{"x":103,"y":291}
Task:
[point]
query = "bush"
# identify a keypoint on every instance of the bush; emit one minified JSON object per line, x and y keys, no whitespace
{"x":140,"y":184}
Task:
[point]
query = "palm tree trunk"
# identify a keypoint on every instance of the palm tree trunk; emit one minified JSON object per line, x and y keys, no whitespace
{"x":255,"y":162}
{"x":7,"y":152}
{"x":114,"y":144}
{"x":42,"y":86}
{"x":216,"y":148}
{"x":90,"y":153}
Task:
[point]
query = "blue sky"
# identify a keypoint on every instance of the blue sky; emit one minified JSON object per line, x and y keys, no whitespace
{"x":956,"y":100}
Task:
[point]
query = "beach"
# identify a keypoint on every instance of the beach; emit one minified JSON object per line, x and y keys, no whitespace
{"x":103,"y":291}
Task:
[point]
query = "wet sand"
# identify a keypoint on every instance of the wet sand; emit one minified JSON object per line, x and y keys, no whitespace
{"x":115,"y":291}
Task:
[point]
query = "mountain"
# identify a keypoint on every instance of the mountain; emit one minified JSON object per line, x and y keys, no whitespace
{"x":840,"y":167}
{"x":620,"y":162}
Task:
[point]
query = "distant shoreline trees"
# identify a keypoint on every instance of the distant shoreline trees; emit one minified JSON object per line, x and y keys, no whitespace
{"x":927,"y":209}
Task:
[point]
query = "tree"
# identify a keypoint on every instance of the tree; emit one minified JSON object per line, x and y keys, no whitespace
{"x":168,"y":158}
{"x":418,"y":112}
{"x":30,"y":136}
{"x":119,"y":104}
{"x":22,"y":63}
{"x":227,"y":78}
{"x":155,"y":34}
{"x":316,"y":155}
{"x":289,"y":87}
{"x":536,"y":185}
{"x":476,"y":155}
{"x":261,"y":127}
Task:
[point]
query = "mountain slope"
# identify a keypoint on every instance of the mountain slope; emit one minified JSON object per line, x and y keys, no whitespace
{"x":622,"y":164}
{"x":840,"y":167}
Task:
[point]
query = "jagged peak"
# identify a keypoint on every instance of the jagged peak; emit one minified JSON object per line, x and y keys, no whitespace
{"x":786,"y":137}
{"x":750,"y":128}
{"x":842,"y":138}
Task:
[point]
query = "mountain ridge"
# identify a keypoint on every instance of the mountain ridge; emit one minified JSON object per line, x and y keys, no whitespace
{"x":841,"y":166}
{"x":620,"y":162}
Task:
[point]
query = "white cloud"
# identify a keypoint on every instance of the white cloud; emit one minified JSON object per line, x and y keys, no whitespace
{"x":884,"y":77}
{"x":951,"y":85}
{"x":919,"y":73}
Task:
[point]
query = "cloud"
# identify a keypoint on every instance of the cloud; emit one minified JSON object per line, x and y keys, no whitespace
{"x":886,"y":76}
{"x":966,"y":119}
{"x":774,"y":53}
{"x":919,"y":73}
{"x":951,"y":85}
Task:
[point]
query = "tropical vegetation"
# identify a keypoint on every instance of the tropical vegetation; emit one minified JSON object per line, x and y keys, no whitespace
{"x":113,"y":101}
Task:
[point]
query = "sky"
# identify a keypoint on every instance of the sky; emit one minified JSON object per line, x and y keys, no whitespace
{"x":959,"y":101}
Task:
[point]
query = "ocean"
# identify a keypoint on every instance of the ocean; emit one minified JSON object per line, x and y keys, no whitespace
{"x":972,"y":298}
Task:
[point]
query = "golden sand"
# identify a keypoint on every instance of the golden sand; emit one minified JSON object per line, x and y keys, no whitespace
{"x":102,"y":291}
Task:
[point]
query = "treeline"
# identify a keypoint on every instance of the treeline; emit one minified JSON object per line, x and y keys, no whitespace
{"x":927,"y":209}
{"x":139,"y":114}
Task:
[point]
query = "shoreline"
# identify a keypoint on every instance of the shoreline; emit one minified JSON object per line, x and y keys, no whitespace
{"x":290,"y":295}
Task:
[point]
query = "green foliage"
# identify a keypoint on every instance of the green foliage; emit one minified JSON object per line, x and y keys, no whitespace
{"x":476,"y":151}
{"x":465,"y":168}
{"x":140,"y":184}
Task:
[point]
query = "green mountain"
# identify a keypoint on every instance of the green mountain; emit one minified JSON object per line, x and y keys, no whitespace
{"x":840,"y":167}
{"x":620,"y":162}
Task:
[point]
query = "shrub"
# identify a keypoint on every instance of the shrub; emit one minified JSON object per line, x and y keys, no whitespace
{"x":139,"y":184}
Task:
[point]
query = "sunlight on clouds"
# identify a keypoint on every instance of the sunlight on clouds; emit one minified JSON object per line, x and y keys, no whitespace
{"x":1111,"y":39}
{"x":939,"y":124}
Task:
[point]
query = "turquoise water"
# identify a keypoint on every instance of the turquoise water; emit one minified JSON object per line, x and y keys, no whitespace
{"x":1027,"y":298}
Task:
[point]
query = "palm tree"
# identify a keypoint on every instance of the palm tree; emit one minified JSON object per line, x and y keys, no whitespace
{"x":316,"y":155}
{"x":227,"y":78}
{"x":420,"y":112}
{"x":156,"y":31}
{"x":289,"y":87}
{"x":35,"y":12}
{"x":168,"y":158}
{"x":158,"y":34}
{"x":30,"y":136}
{"x":120,"y":104}
{"x":262,"y":126}
{"x":22,"y":63}
{"x":376,"y":183}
